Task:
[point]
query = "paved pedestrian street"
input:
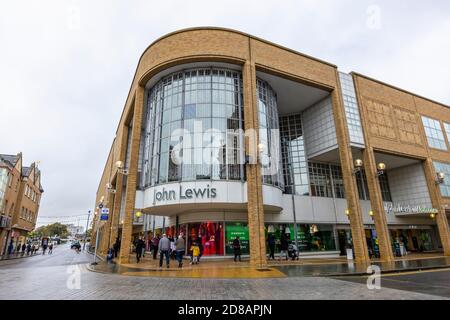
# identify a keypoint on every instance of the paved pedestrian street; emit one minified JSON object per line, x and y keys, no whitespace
{"x":64,"y":275}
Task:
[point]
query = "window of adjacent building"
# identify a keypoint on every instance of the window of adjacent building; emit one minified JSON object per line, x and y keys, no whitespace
{"x":319,"y":180}
{"x":434,"y":133}
{"x":384,"y":186}
{"x":295,"y":166}
{"x":445,"y":168}
{"x":4,"y":176}
{"x":326,"y":180}
{"x":351,"y":109}
{"x":447,"y":130}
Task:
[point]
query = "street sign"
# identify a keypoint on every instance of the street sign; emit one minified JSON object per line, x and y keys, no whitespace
{"x":104,"y":214}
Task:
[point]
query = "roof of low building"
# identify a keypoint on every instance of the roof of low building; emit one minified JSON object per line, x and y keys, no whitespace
{"x":9,"y":158}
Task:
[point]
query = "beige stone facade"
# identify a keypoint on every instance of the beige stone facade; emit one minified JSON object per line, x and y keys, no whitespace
{"x":390,"y":119}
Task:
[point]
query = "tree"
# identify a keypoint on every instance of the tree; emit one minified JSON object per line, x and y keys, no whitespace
{"x":51,"y":230}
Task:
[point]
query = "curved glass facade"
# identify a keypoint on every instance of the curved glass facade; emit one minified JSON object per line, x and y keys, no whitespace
{"x":194,"y":127}
{"x":269,"y":135}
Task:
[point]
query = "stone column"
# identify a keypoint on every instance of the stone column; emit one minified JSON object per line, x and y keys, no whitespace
{"x":435,"y":195}
{"x":130,"y":193}
{"x":254,"y":179}
{"x":351,"y":189}
{"x":376,"y":202}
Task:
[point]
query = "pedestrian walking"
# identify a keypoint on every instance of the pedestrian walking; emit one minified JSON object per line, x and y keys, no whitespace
{"x":10,"y":248}
{"x":163,"y":248}
{"x":144,"y":247}
{"x":173,"y":250}
{"x":155,"y":243}
{"x":180,"y":247}
{"x":28,"y":249}
{"x":237,"y":249}
{"x":18,"y":249}
{"x":284,"y":247}
{"x":195,"y":253}
{"x":271,"y":243}
{"x":116,"y":247}
{"x":24,"y":247}
{"x":200,"y":245}
{"x":139,"y":245}
{"x":50,"y":248}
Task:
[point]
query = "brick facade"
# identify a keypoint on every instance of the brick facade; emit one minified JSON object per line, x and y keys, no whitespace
{"x":390,"y":119}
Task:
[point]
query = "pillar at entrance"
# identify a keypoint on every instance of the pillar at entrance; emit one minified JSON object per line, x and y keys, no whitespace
{"x":254,"y":179}
{"x":435,"y":195}
{"x":351,"y":189}
{"x":376,"y":202}
{"x":130,"y":192}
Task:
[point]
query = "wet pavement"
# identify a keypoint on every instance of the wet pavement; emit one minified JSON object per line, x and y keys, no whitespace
{"x":276,"y":269}
{"x":435,"y":282}
{"x":64,"y":275}
{"x":352,"y":269}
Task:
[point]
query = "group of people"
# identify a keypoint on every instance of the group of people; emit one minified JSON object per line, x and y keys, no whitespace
{"x":174,"y":248}
{"x":28,"y":249}
{"x":170,"y":248}
{"x":288,"y":249}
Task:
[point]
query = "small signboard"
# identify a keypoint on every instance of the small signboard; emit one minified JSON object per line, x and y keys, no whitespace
{"x":104,"y":214}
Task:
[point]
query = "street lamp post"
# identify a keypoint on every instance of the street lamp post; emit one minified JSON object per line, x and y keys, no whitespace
{"x":100,"y":206}
{"x":85,"y":233}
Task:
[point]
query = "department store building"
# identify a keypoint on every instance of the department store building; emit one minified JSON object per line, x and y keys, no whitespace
{"x":224,"y":134}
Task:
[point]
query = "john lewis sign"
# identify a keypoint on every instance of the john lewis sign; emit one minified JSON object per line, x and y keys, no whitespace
{"x":183,"y":193}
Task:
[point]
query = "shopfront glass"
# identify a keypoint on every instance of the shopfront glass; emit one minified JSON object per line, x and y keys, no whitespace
{"x":208,"y":235}
{"x":233,"y":230}
{"x":310,"y":237}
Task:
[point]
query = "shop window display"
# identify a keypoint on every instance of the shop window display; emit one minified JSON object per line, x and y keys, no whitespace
{"x":208,"y":235}
{"x":233,"y":230}
{"x":310,"y":237}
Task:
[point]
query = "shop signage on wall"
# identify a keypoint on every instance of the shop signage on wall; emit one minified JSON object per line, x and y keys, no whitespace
{"x":405,"y":209}
{"x":184,"y":194}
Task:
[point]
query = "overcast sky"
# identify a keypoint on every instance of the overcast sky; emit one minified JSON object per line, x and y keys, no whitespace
{"x":66,"y":67}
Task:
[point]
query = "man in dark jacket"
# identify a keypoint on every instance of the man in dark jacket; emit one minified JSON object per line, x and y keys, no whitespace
{"x":284,"y":246}
{"x":271,"y":243}
{"x":116,"y":247}
{"x":237,"y":249}
{"x":24,"y":246}
{"x":140,"y":244}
